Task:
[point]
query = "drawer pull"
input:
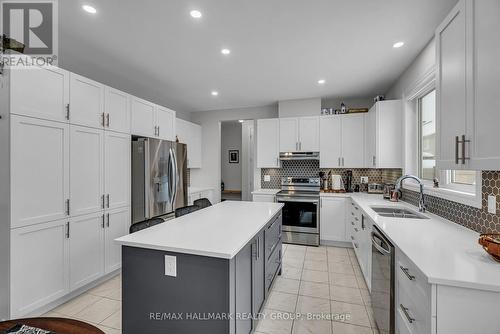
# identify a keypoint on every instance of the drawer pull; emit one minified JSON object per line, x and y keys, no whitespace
{"x":352,"y":213}
{"x":407,"y":315}
{"x":356,"y":229}
{"x":352,"y":223}
{"x":356,"y":219}
{"x":407,"y":273}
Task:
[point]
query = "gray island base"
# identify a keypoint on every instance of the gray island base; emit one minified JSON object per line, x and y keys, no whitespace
{"x":214,"y":294}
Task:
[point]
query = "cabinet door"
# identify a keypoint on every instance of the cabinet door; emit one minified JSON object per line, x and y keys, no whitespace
{"x":258,"y":273}
{"x":40,"y":92}
{"x":371,"y":138}
{"x":289,"y":134}
{"x":333,"y":219}
{"x":309,"y":134}
{"x":243,"y":288}
{"x":486,"y":137}
{"x":165,"y":122}
{"x":39,"y":170}
{"x":268,"y":143}
{"x":117,"y":110}
{"x":330,"y":151}
{"x":39,"y":266}
{"x":86,"y":249}
{"x":86,"y":102}
{"x":117,"y":226}
{"x":194,"y":154}
{"x":353,"y":141}
{"x":451,"y":85}
{"x":388,"y":126}
{"x":264,"y":198}
{"x":143,"y":119}
{"x":87,"y":170}
{"x":117,"y":160}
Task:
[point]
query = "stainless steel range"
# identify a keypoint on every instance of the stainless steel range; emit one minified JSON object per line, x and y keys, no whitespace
{"x":301,"y":210}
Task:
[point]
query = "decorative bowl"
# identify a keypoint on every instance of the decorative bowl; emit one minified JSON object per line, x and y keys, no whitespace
{"x":491,"y":244}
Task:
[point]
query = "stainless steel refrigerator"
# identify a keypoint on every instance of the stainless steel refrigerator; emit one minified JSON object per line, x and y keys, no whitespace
{"x":159,"y":178}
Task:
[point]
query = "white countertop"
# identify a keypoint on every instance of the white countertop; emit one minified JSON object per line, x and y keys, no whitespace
{"x":221,"y":230}
{"x":447,"y":253}
{"x":266,"y":191}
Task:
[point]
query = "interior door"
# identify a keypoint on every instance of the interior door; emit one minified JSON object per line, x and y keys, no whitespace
{"x":353,"y":141}
{"x":117,"y":226}
{"x":86,"y":249}
{"x":143,"y":119}
{"x":330,"y":152}
{"x":87,"y":170}
{"x":86,"y":102}
{"x":288,"y":134}
{"x":117,"y":110}
{"x":40,"y":92}
{"x":39,"y":170}
{"x":309,"y":134}
{"x":165,"y":121}
{"x":117,"y":162}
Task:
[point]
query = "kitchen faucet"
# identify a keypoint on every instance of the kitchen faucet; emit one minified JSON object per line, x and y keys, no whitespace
{"x":421,"y":202}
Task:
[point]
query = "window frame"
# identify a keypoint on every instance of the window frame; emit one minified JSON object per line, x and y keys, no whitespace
{"x":418,"y":102}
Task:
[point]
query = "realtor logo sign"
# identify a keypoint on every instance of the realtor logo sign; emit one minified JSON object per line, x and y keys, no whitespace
{"x":29,"y":32}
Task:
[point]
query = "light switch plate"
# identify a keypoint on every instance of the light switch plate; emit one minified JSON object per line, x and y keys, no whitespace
{"x":170,"y":266}
{"x":492,"y":204}
{"x":267,"y":178}
{"x":364,"y":179}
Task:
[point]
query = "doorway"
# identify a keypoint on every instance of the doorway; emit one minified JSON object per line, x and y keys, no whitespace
{"x":231,"y":160}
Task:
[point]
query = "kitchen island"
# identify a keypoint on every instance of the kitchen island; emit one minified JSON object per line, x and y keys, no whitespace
{"x":206,"y":272}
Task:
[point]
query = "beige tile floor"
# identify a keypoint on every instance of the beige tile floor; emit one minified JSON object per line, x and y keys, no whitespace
{"x":315,"y":280}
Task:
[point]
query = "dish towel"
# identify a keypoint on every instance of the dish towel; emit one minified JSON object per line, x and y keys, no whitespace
{"x":23,"y":329}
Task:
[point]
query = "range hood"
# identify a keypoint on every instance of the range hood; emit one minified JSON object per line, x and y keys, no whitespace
{"x":299,"y":156}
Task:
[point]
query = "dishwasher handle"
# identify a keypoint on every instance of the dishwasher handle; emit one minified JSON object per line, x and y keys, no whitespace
{"x":377,"y":246}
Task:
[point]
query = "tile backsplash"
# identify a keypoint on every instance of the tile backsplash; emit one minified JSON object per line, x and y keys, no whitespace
{"x":479,"y":220}
{"x":476,"y":219}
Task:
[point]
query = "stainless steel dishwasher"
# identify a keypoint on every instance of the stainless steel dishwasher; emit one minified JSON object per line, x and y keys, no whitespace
{"x":382,"y":293}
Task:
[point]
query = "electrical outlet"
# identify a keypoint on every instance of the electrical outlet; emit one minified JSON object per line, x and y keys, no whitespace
{"x":364,"y":179}
{"x":492,"y":204}
{"x":170,"y":266}
{"x":267,"y":178}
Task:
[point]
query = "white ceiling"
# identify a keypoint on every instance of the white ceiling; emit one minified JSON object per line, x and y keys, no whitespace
{"x":279,"y":48}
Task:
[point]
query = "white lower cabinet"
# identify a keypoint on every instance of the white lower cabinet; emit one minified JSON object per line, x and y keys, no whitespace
{"x":39,"y":266}
{"x":117,"y":225}
{"x":332,"y":219}
{"x":86,"y":248}
{"x":359,"y":229}
{"x":271,"y":198}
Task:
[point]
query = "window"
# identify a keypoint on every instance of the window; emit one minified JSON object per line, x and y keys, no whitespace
{"x":427,"y":135}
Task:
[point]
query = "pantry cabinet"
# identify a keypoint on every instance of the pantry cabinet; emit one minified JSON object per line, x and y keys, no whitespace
{"x":117,"y":110}
{"x":39,"y":171}
{"x":383,"y":133}
{"x":299,"y":134}
{"x":468,"y":73}
{"x":29,"y":90}
{"x":86,"y":98}
{"x":332,"y":218}
{"x":116,"y":226}
{"x":117,"y":175}
{"x":268,"y":143}
{"x":151,"y":120}
{"x":190,"y":134}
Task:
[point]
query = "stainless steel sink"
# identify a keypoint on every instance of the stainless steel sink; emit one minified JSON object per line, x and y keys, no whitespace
{"x":397,"y":212}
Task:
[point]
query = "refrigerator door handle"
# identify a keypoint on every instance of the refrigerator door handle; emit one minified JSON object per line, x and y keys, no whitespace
{"x":174,"y":177}
{"x":147,"y":178}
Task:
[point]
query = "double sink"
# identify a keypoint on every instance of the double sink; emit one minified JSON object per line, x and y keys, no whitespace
{"x":397,"y":212}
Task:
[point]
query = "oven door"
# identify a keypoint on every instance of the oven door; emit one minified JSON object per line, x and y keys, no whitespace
{"x":300,"y":214}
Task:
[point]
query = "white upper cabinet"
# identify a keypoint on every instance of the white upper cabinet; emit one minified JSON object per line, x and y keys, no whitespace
{"x":165,"y":122}
{"x":86,"y":249}
{"x":383,"y":133}
{"x":330,"y":151}
{"x":30,"y":89}
{"x":117,"y":160}
{"x":289,"y":134}
{"x":190,"y":134}
{"x":39,"y":171}
{"x":87,"y":170}
{"x":117,"y":224}
{"x":309,"y":134}
{"x":299,"y":134}
{"x":86,"y":102}
{"x":342,"y":141}
{"x":333,"y":219}
{"x":143,"y":117}
{"x":117,"y":110}
{"x":268,"y":143}
{"x":468,"y":78}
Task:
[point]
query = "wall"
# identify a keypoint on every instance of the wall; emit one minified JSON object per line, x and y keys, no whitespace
{"x":298,"y":108}
{"x":209,"y":174}
{"x":231,"y":140}
{"x":334,"y":102}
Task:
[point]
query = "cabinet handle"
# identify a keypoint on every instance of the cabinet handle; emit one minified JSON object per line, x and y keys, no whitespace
{"x":107,"y":120}
{"x":339,"y":162}
{"x":67,"y":207}
{"x":67,"y":111}
{"x":300,"y":146}
{"x":102,"y":223}
{"x":374,"y":161}
{"x":103,"y":201}
{"x":107,"y":200}
{"x":457,"y":141}
{"x":67,"y":230}
{"x":158,"y":131}
{"x":407,"y":273}
{"x":356,"y":219}
{"x":363,"y":226}
{"x":107,"y":216}
{"x":352,"y":223}
{"x":406,"y":313}
{"x":464,"y":141}
{"x":343,"y":162}
{"x":103,"y":116}
{"x":356,"y":229}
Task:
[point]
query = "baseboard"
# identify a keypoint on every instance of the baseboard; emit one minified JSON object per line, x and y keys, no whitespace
{"x":344,"y":244}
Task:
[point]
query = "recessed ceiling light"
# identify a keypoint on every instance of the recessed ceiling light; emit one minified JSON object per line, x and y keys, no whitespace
{"x":195,"y":13}
{"x":225,"y":51}
{"x":215,"y":93}
{"x":241,"y":120}
{"x":321,"y":81}
{"x":89,"y":9}
{"x":398,"y":44}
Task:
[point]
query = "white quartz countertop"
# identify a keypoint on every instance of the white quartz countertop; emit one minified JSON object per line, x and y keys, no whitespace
{"x":447,"y":253}
{"x":266,"y":191}
{"x":221,"y":230}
